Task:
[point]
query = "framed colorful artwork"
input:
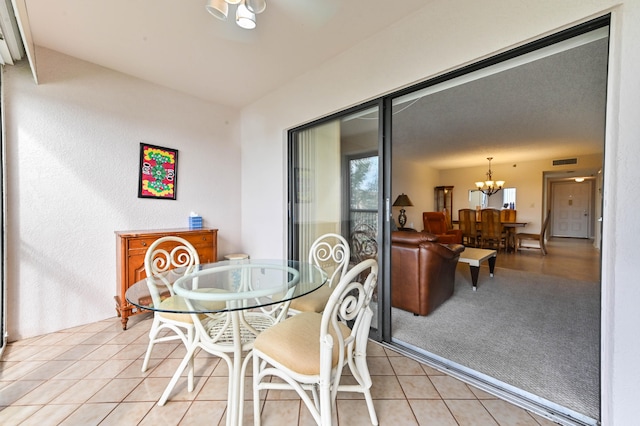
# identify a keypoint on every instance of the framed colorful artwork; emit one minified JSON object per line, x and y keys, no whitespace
{"x":158,"y":172}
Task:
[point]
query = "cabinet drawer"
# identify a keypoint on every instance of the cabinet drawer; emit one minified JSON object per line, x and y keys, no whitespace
{"x":141,"y":243}
{"x":203,"y":239}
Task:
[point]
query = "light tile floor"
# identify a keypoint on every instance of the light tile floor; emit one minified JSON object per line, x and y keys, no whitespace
{"x":90,"y":375}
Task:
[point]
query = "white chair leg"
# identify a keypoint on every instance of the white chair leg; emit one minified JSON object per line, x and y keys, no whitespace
{"x":153,"y":333}
{"x":325,"y":404}
{"x":190,"y":338}
{"x":370,"y":407}
{"x":172,"y":383}
{"x":243,"y":374}
{"x":364,"y":385}
{"x":256,"y":391}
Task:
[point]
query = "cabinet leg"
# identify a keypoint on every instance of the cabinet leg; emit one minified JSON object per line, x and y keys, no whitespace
{"x":124,"y":322}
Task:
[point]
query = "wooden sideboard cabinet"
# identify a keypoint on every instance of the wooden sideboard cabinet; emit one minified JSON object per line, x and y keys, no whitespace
{"x":131,"y":247}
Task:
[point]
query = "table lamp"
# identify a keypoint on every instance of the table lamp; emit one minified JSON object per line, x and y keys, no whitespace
{"x":402,"y":201}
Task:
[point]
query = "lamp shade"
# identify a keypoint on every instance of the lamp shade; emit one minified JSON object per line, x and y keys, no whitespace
{"x":256,"y":6}
{"x":245,"y":18}
{"x":218,"y":8}
{"x":402,"y":201}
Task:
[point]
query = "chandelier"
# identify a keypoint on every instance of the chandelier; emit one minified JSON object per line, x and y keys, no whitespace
{"x":245,"y":12}
{"x":489,"y":186}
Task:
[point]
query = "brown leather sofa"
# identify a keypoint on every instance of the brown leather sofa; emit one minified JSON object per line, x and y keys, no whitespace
{"x":436,"y":223}
{"x":422,"y":271}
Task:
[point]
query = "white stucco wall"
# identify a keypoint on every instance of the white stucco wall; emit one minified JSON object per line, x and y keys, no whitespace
{"x":72,"y":180}
{"x":446,"y":35}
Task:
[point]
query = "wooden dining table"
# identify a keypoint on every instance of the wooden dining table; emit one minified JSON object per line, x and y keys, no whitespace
{"x":511,"y":233}
{"x":509,"y":226}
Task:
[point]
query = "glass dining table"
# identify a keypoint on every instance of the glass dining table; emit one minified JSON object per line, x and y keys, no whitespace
{"x":230,"y":302}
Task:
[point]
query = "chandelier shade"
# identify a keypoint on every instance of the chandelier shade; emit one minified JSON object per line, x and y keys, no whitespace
{"x":489,"y":186}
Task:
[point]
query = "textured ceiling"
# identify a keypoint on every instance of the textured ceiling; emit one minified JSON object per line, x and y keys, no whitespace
{"x":550,"y":107}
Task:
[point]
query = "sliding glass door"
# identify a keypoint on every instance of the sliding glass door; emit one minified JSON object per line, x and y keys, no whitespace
{"x":518,"y":106}
{"x":334,"y":182}
{"x":534,"y":308}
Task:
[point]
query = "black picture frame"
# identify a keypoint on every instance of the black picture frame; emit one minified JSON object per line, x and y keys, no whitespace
{"x":158,"y":172}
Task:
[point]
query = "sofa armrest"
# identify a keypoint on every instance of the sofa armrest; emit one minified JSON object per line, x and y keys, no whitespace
{"x":446,"y":251}
{"x":457,"y":233}
{"x":412,"y":238}
{"x":456,"y":248}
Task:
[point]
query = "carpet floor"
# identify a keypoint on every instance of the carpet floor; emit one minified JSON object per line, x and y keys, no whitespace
{"x":535,"y":332}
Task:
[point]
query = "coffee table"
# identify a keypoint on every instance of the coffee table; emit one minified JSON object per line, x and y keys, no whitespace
{"x":474,"y":257}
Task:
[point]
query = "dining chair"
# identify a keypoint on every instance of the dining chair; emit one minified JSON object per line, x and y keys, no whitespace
{"x":492,"y":233}
{"x":309,"y":351}
{"x":523,"y":236}
{"x":468,"y":225}
{"x":331,"y":253}
{"x":162,"y":258}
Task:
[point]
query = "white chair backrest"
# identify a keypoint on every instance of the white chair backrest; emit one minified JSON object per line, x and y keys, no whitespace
{"x":160,"y":262}
{"x":331,"y":253}
{"x":348,"y":304}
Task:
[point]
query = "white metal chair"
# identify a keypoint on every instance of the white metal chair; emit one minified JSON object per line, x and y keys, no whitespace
{"x":163,"y":256}
{"x":308,"y":351}
{"x":331,"y":253}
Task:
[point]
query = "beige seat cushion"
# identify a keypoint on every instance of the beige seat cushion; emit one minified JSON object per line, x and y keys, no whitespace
{"x":295,"y":343}
{"x":177,"y":303}
{"x":314,"y":301}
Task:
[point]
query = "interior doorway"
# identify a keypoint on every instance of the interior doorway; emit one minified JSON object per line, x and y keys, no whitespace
{"x":572,"y":207}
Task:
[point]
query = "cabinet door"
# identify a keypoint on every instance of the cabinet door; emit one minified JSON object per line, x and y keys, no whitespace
{"x":443,"y":200}
{"x":205,"y":245}
{"x":136,"y":267}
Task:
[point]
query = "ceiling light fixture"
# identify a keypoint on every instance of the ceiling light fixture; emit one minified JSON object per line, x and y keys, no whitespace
{"x":246,"y":10}
{"x":489,"y":186}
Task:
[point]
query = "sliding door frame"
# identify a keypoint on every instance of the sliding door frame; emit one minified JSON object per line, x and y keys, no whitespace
{"x":384,"y":185}
{"x":503,"y":390}
{"x":384,"y":332}
{"x":3,"y":255}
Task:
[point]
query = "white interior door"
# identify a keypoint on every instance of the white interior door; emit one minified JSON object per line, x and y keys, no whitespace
{"x":571,"y":207}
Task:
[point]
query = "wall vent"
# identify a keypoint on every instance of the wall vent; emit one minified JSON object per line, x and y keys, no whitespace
{"x":565,"y":161}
